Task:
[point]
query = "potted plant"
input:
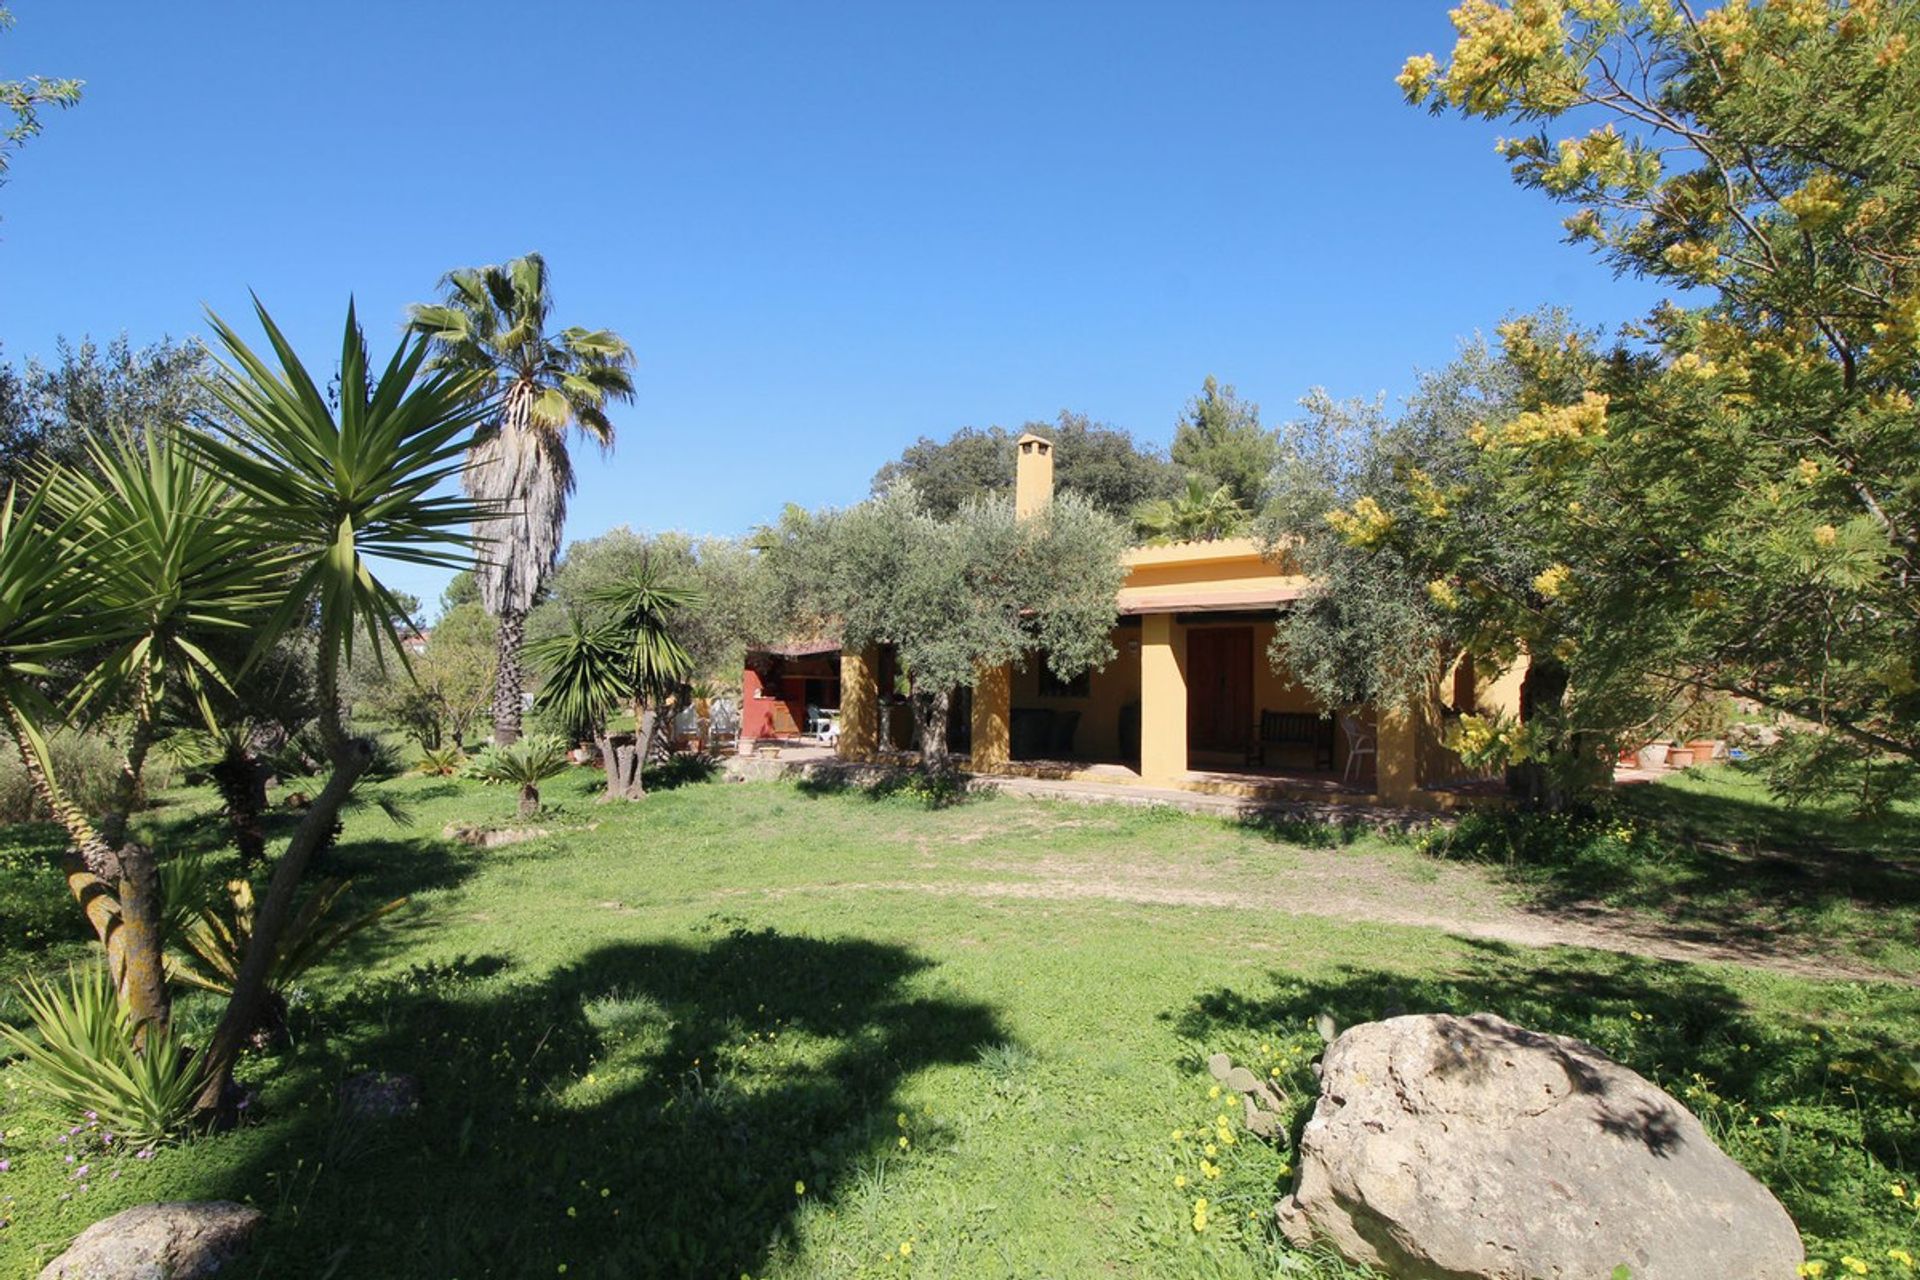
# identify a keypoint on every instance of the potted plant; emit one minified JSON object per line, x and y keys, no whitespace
{"x":1653,"y":755}
{"x":1704,"y":727}
{"x":1679,"y":757}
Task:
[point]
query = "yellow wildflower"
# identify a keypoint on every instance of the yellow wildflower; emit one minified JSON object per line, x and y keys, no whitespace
{"x":1179,"y":1181}
{"x":1549,"y":581}
{"x":1858,"y":1266}
{"x":799,"y":1188}
{"x":906,"y":1248}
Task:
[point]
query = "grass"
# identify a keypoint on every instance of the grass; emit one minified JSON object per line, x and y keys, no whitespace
{"x":748,"y":1029}
{"x":1709,"y":851}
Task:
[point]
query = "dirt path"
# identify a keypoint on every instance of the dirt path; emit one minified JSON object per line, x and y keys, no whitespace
{"x":1354,"y":885}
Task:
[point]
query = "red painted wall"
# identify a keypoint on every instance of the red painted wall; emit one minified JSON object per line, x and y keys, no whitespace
{"x":758,"y":706}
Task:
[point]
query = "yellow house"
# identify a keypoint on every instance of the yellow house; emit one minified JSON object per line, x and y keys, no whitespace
{"x":1193,"y":700}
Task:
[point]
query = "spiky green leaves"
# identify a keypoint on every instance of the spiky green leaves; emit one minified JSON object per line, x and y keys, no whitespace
{"x":341,"y":486}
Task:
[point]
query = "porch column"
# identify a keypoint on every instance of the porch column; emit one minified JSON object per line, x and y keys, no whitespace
{"x":1396,"y":760}
{"x":1163,"y":700}
{"x":859,"y":703}
{"x":992,"y":718}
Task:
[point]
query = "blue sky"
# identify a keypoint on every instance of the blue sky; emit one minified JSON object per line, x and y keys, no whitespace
{"x":826,"y":229}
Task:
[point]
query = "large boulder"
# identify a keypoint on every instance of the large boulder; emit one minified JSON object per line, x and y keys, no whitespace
{"x":179,"y":1241}
{"x":1447,"y":1148}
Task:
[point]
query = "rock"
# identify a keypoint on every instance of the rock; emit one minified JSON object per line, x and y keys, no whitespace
{"x":1219,"y":1065}
{"x":492,"y":837}
{"x":178,"y":1241}
{"x":1472,"y":1149}
{"x":379,"y":1095}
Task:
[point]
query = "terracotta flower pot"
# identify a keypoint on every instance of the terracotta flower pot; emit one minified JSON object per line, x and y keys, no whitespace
{"x":1704,"y":749}
{"x":1680,"y":758}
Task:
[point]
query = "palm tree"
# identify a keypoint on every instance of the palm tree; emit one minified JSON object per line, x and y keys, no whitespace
{"x":1200,"y":514}
{"x":645,"y":607}
{"x":524,"y":764}
{"x":631,"y":655}
{"x":492,"y":322}
{"x":173,"y":554}
{"x":585,"y":678}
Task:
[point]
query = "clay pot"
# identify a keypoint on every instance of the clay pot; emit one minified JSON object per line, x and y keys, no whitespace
{"x":1704,"y":749}
{"x":1680,"y":758}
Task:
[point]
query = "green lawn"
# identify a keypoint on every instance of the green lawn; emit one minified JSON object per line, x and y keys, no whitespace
{"x":971,"y":1031}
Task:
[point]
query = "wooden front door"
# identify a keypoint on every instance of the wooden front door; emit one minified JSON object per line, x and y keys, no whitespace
{"x":1219,"y":688}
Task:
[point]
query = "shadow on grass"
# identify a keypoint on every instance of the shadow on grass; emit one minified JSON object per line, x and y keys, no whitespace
{"x":882,"y":782}
{"x":1717,"y":861}
{"x":1764,"y":1085}
{"x":1307,"y":829}
{"x":647,"y":1111}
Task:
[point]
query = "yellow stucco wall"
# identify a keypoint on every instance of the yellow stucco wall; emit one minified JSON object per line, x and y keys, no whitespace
{"x":1108,"y":690}
{"x":1163,"y":699}
{"x":1150,"y":667}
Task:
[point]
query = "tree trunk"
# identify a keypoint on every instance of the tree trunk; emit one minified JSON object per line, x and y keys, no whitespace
{"x":1552,"y":783}
{"x":610,"y":762}
{"x":91,"y":866}
{"x":930,"y":720}
{"x":349,"y":757}
{"x":508,"y":684}
{"x":529,"y":800}
{"x":142,"y":981}
{"x":143,"y":978}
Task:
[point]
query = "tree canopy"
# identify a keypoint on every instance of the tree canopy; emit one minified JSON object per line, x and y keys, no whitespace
{"x":1727,"y":499}
{"x":956,"y":595}
{"x":1220,"y":439}
{"x":1104,"y":464}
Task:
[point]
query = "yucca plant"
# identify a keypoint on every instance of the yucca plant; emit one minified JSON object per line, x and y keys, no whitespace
{"x":216,"y":939}
{"x":81,"y":1054}
{"x":441,"y":762}
{"x":343,"y":478}
{"x":524,"y":764}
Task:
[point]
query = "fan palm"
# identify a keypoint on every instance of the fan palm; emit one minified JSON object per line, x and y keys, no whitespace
{"x":492,"y":323}
{"x":1202,"y":513}
{"x":338,"y":487}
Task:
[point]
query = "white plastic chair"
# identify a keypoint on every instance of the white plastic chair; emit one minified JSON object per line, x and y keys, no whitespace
{"x":1359,"y":743}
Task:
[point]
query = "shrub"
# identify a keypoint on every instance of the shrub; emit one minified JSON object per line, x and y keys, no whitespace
{"x":87,"y":765}
{"x":219,"y":935}
{"x":441,"y":762}
{"x":82,"y":1056}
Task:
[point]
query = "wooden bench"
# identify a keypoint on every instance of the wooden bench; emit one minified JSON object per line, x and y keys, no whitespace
{"x":1293,"y":729}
